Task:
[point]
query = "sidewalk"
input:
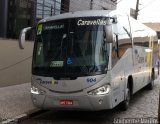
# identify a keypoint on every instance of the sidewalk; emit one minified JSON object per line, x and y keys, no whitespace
{"x":15,"y":101}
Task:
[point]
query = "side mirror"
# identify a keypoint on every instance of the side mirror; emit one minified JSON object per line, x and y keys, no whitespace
{"x":22,"y":37}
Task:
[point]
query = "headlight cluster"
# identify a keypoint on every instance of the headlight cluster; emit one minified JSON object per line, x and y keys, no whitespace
{"x":100,"y":91}
{"x":35,"y":90}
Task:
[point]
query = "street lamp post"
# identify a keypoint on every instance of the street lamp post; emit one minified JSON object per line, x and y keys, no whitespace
{"x":137,"y":9}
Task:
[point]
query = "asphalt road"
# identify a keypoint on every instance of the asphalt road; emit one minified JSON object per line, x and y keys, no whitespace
{"x":143,"y":108}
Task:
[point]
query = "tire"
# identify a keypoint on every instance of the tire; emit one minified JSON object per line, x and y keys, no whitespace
{"x":151,"y":84}
{"x":125,"y":103}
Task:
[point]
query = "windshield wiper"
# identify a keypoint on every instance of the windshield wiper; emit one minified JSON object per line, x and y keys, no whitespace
{"x":63,"y":37}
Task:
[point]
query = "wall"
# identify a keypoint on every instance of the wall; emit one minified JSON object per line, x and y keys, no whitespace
{"x":103,"y":4}
{"x":78,"y":5}
{"x":15,"y":64}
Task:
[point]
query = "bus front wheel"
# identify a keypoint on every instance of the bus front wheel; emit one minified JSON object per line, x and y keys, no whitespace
{"x":125,"y":103}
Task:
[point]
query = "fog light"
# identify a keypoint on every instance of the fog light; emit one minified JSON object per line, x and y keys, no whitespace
{"x":100,"y":101}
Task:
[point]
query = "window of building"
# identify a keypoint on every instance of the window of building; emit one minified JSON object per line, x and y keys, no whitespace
{"x":47,"y":8}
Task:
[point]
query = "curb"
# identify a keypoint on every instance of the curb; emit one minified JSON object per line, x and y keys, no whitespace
{"x":22,"y":117}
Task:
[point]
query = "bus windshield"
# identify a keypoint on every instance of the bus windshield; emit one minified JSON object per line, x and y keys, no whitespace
{"x":71,"y":47}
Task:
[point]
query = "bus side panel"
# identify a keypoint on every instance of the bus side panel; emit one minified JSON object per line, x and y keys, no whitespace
{"x":120,"y":74}
{"x":144,"y":58}
{"x":122,"y":62}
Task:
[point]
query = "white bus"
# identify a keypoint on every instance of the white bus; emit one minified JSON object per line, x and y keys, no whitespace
{"x":90,"y":60}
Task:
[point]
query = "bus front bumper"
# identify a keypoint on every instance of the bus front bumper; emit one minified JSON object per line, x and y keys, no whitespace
{"x":72,"y":101}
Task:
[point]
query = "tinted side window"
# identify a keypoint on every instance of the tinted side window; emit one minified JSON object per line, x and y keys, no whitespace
{"x":124,"y":42}
{"x":140,"y":40}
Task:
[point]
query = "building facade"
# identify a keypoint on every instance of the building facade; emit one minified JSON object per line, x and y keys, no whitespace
{"x":155,"y":27}
{"x":3,"y":17}
{"x":47,"y":8}
{"x":17,"y":14}
{"x":79,"y":5}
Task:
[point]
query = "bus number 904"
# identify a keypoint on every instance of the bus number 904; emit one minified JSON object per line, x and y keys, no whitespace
{"x":91,"y":80}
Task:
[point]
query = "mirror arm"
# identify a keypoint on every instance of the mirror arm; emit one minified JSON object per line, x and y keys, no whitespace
{"x":22,"y":37}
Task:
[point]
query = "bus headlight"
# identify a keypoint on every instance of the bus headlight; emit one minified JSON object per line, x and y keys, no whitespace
{"x":35,"y":90}
{"x":100,"y":91}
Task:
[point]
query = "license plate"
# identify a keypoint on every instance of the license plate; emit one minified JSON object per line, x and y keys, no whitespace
{"x":66,"y":102}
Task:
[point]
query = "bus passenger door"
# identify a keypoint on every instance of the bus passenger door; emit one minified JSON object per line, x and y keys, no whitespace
{"x":117,"y":77}
{"x":150,"y":58}
{"x":122,"y":64}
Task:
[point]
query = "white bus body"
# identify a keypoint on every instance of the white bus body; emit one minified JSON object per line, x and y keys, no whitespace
{"x":91,"y":60}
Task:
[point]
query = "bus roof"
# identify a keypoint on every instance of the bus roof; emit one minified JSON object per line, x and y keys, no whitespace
{"x":88,"y":13}
{"x":95,"y":13}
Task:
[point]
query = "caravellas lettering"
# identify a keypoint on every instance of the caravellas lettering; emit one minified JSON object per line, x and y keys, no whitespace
{"x":44,"y":82}
{"x":92,"y":22}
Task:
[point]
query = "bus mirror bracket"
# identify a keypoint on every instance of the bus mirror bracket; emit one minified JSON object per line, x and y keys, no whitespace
{"x":22,"y":37}
{"x":114,"y":20}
